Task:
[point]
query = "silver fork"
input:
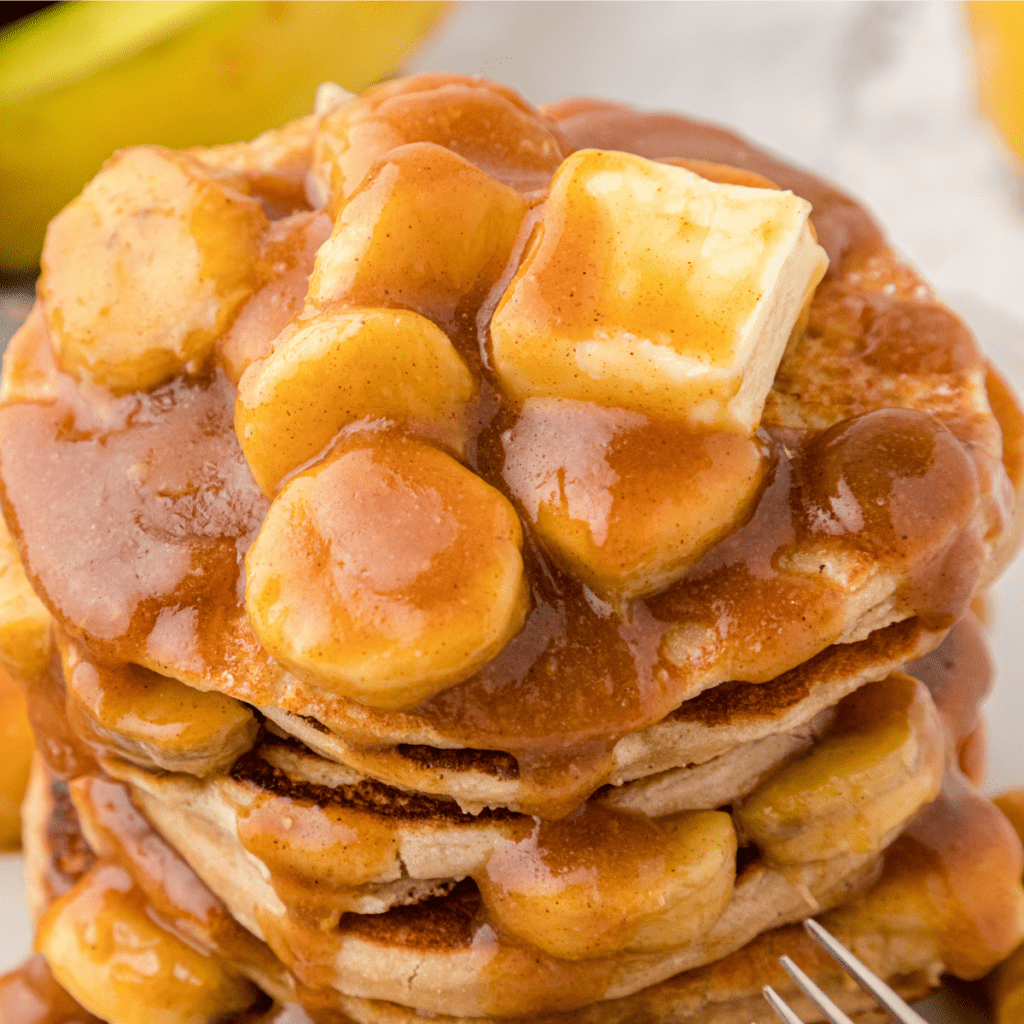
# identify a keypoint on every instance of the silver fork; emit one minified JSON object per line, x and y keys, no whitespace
{"x":849,"y":963}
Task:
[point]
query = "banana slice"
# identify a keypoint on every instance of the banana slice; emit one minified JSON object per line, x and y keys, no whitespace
{"x":325,"y":373}
{"x":121,"y":965}
{"x":146,"y":268}
{"x":387,"y":572}
{"x":488,"y":124}
{"x":287,"y":252}
{"x":426,"y":230}
{"x":852,"y":788}
{"x":16,"y":739}
{"x":24,"y":619}
{"x":1008,"y":978}
{"x":627,"y":502}
{"x":649,"y":287}
{"x":601,"y":881}
{"x":151,"y":719}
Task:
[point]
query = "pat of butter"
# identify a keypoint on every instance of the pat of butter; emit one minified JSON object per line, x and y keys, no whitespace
{"x":647,"y":287}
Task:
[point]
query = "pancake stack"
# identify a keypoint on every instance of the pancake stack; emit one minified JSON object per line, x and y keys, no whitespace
{"x":425,"y":611}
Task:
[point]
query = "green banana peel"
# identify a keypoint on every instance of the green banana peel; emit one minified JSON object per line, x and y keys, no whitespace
{"x":78,"y":81}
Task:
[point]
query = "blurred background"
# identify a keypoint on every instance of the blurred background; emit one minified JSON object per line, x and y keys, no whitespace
{"x":883,"y":97}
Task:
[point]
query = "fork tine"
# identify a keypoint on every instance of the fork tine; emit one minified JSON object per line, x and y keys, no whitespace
{"x":816,"y":996}
{"x":878,"y":988}
{"x":776,"y":1003}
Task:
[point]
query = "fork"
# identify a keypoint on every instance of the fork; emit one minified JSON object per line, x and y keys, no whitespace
{"x":849,"y":963}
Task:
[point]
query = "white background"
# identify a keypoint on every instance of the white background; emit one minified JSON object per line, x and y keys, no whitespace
{"x":877,"y":96}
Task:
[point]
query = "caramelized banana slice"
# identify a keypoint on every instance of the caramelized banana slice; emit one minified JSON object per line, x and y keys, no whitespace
{"x":287,"y":253}
{"x":852,"y":788}
{"x":627,"y":502}
{"x":24,"y":620}
{"x":426,"y":230}
{"x":950,"y":891}
{"x":16,"y":743}
{"x":144,"y":270}
{"x":488,"y":124}
{"x":325,"y":373}
{"x":386,"y":572}
{"x":648,"y":287}
{"x":120,"y":964}
{"x":1008,"y":987}
{"x":151,"y":719}
{"x":602,"y":880}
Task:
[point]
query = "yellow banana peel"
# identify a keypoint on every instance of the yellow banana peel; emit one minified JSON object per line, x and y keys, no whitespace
{"x":80,"y":80}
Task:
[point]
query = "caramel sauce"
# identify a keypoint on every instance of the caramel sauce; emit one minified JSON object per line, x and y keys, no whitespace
{"x":959,"y":674}
{"x":898,"y":485}
{"x":152,"y":719}
{"x":948,"y":866}
{"x":30,"y":995}
{"x":164,"y":507}
{"x":16,"y":741}
{"x":611,"y":491}
{"x":485,"y":125}
{"x":144,"y":564}
{"x":121,"y":834}
{"x":317,"y":855}
{"x":63,"y":751}
{"x":425,"y":230}
{"x":287,"y":251}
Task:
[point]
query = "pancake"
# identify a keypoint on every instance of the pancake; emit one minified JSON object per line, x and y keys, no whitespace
{"x":696,"y":732}
{"x":960,"y":847}
{"x":299,"y":912}
{"x":330,"y":841}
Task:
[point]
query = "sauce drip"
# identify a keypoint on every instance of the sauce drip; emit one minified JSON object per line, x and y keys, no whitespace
{"x":959,"y":674}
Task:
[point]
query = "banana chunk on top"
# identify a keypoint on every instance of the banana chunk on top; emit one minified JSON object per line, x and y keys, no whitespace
{"x":341,"y":366}
{"x":648,"y":287}
{"x":426,"y":230}
{"x":386,"y":572}
{"x":146,"y":269}
{"x":628,"y":502}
